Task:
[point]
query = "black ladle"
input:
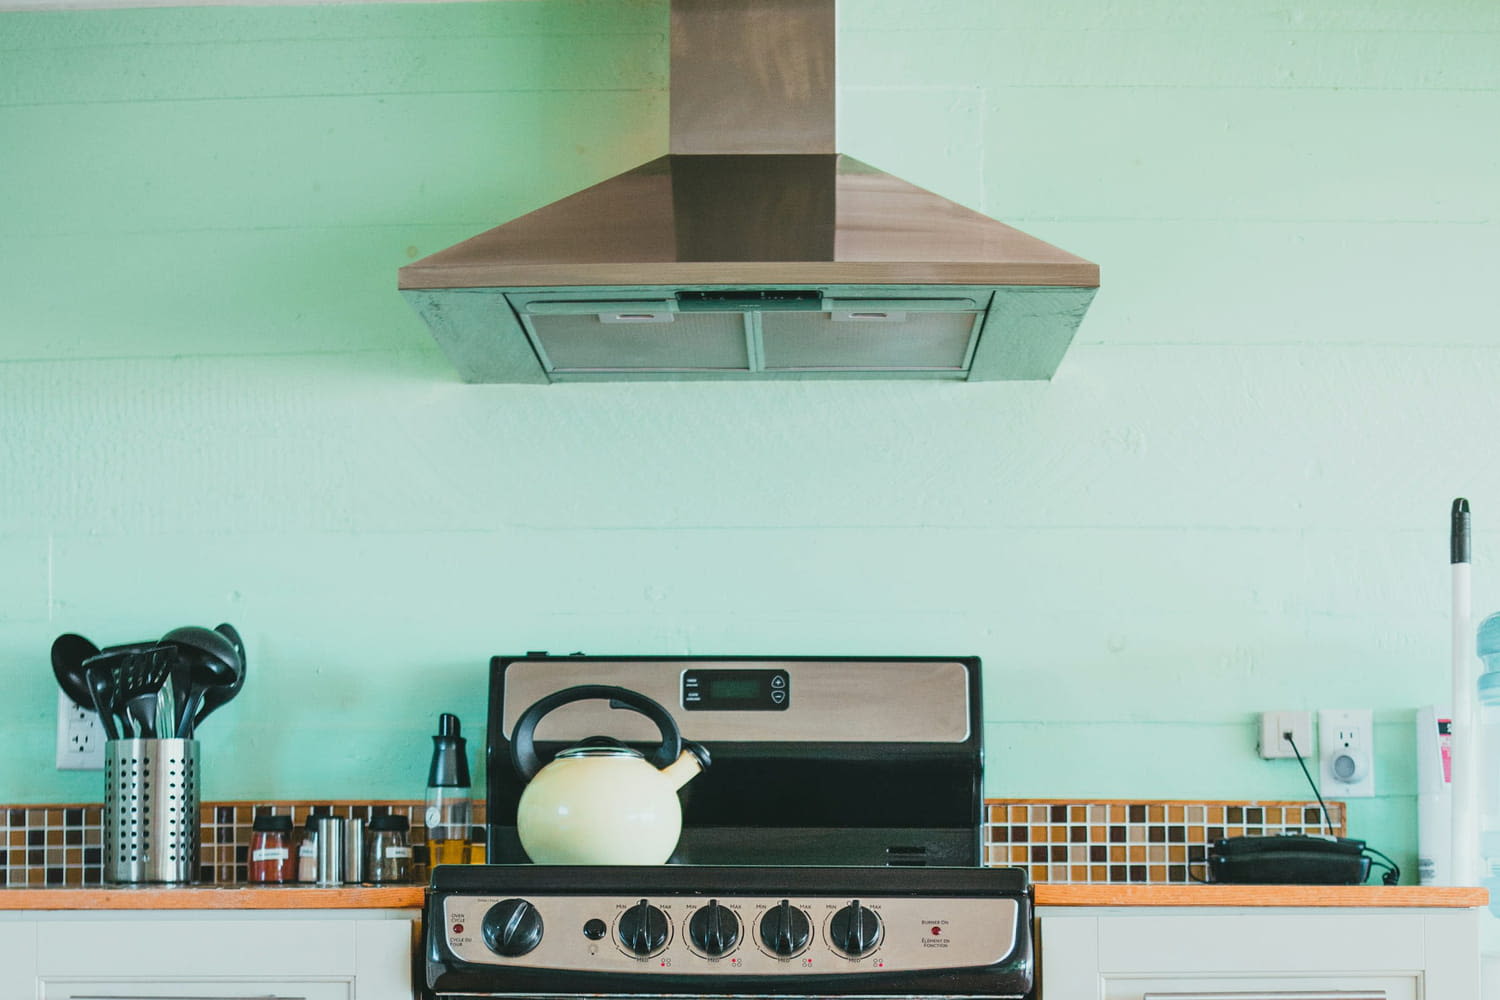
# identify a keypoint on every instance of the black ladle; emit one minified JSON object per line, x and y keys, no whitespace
{"x":105,"y":672}
{"x":216,"y":697}
{"x":68,"y":653}
{"x":215,"y":663}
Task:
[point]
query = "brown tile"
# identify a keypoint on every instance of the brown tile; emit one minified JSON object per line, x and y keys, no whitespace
{"x":1156,"y":814}
{"x":1078,"y":835}
{"x":1058,"y":814}
{"x":1098,"y":852}
{"x":1041,"y":834}
{"x":1137,"y":852}
{"x":1177,"y":853}
{"x":1038,"y":855}
{"x":1176,"y":814}
{"x":1158,"y":873}
{"x":1117,"y":813}
{"x":1078,"y":854}
{"x":1137,"y":813}
{"x":1078,"y":814}
{"x":1117,"y":834}
{"x":992,"y":835}
{"x":1098,"y":813}
{"x":1196,"y":834}
{"x":1020,"y":834}
{"x":1018,"y":855}
{"x":1156,"y":834}
{"x":54,"y":837}
{"x":1078,"y":873}
{"x":1136,"y":833}
{"x":1098,"y":834}
{"x":1117,"y":854}
{"x":1214,"y":815}
{"x":1177,"y":873}
{"x":1098,"y":873}
{"x":1138,"y":873}
{"x":1156,"y":853}
{"x":1057,"y":854}
{"x":1274,"y":814}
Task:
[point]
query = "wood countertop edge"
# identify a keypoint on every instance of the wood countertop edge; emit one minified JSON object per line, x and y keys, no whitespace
{"x":1261,"y":895}
{"x":409,"y":897}
{"x":396,"y":897}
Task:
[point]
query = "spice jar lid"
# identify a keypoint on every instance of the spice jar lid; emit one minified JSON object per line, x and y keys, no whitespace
{"x":389,"y":821}
{"x":272,"y":824}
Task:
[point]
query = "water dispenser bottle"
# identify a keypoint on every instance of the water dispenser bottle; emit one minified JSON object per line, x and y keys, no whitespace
{"x":1488,"y":770}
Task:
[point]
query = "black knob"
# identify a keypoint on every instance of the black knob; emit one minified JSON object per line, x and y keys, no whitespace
{"x":785,"y":929}
{"x":714,"y":929}
{"x":512,"y":927}
{"x":643,"y":929}
{"x":594,"y":929}
{"x":855,"y":930}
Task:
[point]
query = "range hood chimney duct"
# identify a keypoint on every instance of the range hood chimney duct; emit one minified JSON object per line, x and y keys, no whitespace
{"x":753,"y":249}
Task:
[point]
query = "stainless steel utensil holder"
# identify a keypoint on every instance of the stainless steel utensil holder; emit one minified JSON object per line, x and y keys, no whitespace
{"x":150,"y":810}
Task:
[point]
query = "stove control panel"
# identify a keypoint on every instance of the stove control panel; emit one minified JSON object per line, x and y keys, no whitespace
{"x":753,"y":936}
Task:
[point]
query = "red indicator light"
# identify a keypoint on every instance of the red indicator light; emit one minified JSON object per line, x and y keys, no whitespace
{"x":458,"y":928}
{"x":936,"y":931}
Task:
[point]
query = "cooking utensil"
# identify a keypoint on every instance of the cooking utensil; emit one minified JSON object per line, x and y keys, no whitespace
{"x":138,"y":687}
{"x":600,"y":802}
{"x":68,"y":653}
{"x":217,"y":697}
{"x":215,"y":663}
{"x":105,"y":671}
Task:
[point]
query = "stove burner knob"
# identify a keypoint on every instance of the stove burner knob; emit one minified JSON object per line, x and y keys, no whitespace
{"x":785,"y":930}
{"x":714,"y":929}
{"x":855,"y":930}
{"x":512,"y":927}
{"x":643,"y":929}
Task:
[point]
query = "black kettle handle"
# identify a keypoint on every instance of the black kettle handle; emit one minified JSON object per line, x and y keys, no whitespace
{"x":523,"y":743}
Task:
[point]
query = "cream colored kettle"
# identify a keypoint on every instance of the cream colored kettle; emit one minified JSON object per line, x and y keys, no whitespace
{"x":601,"y":802}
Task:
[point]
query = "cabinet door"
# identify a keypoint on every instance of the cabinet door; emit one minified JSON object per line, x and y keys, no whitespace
{"x":147,"y":989}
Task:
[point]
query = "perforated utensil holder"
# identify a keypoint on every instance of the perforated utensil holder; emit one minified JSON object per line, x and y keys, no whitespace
{"x":150,"y":810}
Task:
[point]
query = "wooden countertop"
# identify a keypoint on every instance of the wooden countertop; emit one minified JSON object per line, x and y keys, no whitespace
{"x":404,"y":897}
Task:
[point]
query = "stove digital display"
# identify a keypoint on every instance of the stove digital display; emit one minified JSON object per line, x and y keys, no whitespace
{"x":736,"y":690}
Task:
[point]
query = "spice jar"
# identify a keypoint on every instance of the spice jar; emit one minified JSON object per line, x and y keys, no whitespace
{"x":307,"y":851}
{"x":390,"y":849}
{"x":271,"y":858}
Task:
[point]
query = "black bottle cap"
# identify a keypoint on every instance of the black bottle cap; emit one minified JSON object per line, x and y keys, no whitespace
{"x":389,"y":821}
{"x":272,"y":824}
{"x":450,"y":759}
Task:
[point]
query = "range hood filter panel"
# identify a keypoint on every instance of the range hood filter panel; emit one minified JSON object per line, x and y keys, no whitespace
{"x":641,"y":341}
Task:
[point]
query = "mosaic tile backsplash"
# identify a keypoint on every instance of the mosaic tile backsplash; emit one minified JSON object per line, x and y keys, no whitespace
{"x":1083,"y":840}
{"x":1063,"y":840}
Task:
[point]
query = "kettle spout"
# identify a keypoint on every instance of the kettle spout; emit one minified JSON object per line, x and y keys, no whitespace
{"x":693,"y":760}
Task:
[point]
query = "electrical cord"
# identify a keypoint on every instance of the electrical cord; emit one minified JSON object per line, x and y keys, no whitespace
{"x":1327,"y":823}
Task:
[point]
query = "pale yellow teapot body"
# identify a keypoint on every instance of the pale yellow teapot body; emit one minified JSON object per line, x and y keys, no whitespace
{"x":601,"y":802}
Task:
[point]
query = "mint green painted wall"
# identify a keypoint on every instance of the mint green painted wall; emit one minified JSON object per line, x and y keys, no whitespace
{"x":1233,"y":497}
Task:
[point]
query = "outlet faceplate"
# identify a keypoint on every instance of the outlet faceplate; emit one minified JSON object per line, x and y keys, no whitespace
{"x":1346,"y":752}
{"x":80,"y":738}
{"x":1273,"y":729}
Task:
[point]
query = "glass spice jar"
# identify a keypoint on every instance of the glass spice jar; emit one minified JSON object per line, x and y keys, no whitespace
{"x":271,"y":858}
{"x":390,"y":849}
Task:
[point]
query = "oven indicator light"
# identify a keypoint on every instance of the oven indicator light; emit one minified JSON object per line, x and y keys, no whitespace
{"x":937,"y":931}
{"x":458,"y":928}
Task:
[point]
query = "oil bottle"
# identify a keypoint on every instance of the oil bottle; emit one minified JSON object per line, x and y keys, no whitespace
{"x":449,"y":805}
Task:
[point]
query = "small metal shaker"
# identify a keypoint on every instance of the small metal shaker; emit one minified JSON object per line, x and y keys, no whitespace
{"x":354,"y":850}
{"x":330,"y":856}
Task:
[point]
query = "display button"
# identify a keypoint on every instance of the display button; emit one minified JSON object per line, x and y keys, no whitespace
{"x":777,"y":697}
{"x":778,"y":681}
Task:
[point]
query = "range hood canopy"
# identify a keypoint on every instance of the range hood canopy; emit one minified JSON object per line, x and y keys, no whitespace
{"x":753,"y":250}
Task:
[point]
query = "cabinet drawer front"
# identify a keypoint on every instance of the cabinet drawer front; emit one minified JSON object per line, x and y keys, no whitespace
{"x":1273,"y":995}
{"x":149,"y":989}
{"x":1332,"y":987}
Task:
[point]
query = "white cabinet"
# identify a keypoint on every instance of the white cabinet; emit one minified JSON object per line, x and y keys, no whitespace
{"x":208,"y":955}
{"x":1259,"y":953}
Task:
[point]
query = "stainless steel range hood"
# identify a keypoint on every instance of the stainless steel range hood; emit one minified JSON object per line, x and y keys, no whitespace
{"x":753,"y":250}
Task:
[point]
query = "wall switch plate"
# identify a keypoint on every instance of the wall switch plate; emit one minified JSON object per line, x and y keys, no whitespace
{"x":1274,"y":728}
{"x":80,"y":738}
{"x":1346,"y":752}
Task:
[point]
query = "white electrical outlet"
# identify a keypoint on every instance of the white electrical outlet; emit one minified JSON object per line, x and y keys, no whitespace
{"x":1276,"y":726}
{"x":1346,"y":743}
{"x":80,"y":738}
